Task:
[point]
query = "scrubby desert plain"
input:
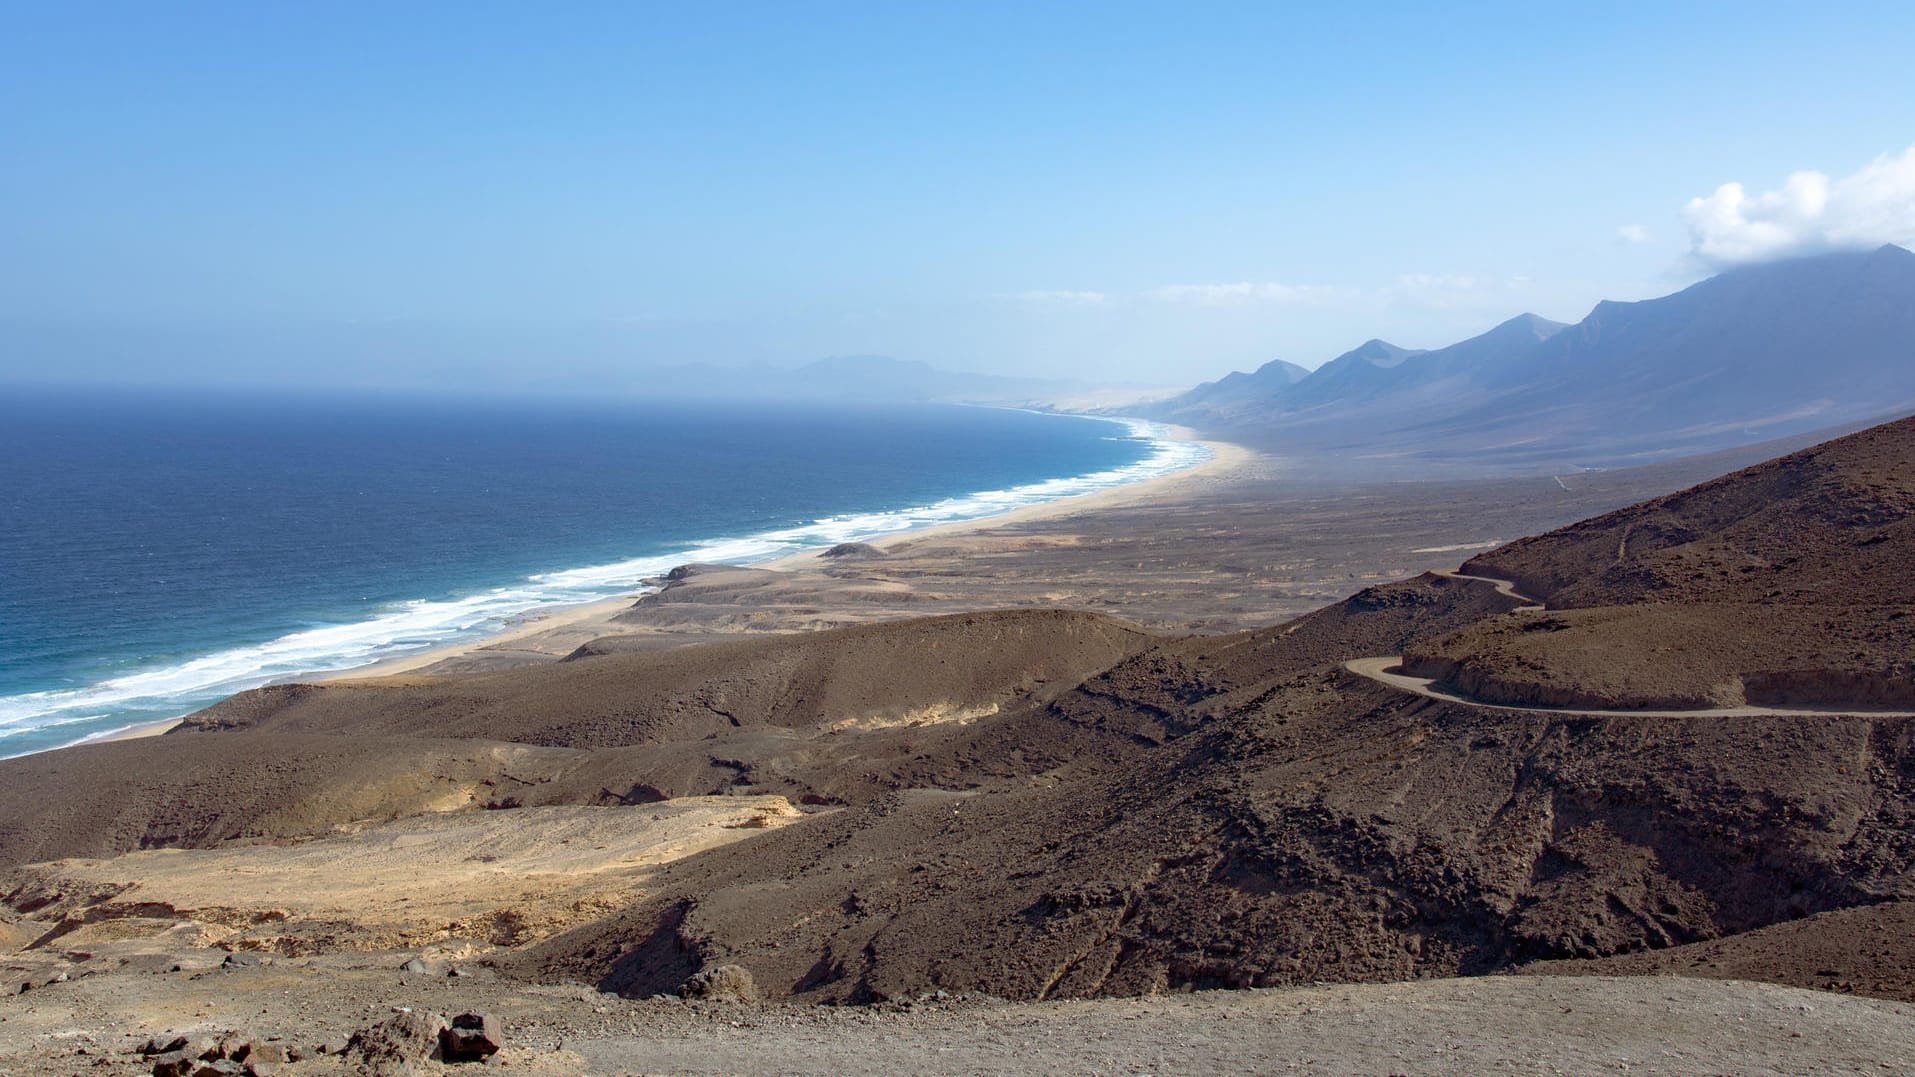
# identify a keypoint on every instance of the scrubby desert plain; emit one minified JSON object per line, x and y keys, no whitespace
{"x":1234,"y":773}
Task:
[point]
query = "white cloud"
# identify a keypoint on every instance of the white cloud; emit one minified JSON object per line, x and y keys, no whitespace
{"x":1810,"y":213}
{"x":1245,"y":293}
{"x":1065,"y":297}
{"x":1634,"y":233}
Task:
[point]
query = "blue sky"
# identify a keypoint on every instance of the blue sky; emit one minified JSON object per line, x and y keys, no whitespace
{"x":401,"y":194}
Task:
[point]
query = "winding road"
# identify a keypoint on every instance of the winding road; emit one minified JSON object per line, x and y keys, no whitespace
{"x":1506,"y":588}
{"x":1387,"y":670}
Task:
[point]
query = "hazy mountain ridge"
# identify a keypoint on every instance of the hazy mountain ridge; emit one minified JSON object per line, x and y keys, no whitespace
{"x":1757,"y":352}
{"x":1271,"y":379}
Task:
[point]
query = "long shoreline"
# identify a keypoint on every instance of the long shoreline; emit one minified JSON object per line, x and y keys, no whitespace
{"x":1222,"y":458}
{"x":1225,"y":458}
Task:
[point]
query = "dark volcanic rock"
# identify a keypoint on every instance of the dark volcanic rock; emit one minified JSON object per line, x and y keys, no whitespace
{"x":175,"y":1064}
{"x":472,"y":1037}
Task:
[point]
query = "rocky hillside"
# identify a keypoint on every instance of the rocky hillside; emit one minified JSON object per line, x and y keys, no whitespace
{"x":1046,"y":805}
{"x":1787,"y":583}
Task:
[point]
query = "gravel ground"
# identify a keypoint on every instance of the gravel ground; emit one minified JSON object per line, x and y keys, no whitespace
{"x":1491,"y":1025}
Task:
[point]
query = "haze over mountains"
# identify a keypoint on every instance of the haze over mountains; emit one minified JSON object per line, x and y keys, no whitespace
{"x":1758,"y":352}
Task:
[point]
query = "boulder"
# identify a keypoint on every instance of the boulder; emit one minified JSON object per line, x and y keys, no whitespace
{"x":472,"y":1037}
{"x":175,"y":1064}
{"x":158,"y":1046}
{"x":721,"y":983}
{"x":394,"y":1045}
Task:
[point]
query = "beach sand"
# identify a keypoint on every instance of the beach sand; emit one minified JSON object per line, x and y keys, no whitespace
{"x":135,"y":732}
{"x":545,"y":635}
{"x":1239,"y":541}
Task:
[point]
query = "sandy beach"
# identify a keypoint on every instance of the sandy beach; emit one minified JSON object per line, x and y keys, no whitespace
{"x":551,"y":633}
{"x":135,"y":732}
{"x":1237,"y":542}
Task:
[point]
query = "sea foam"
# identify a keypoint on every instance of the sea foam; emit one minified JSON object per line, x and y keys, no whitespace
{"x":404,"y":628}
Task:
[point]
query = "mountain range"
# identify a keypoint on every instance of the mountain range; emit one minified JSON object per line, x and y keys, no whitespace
{"x":1758,"y":352}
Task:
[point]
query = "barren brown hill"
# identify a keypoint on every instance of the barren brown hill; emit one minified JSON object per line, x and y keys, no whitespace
{"x":1044,"y":805}
{"x":1828,"y":523}
{"x":1282,"y":823}
{"x":935,"y":668}
{"x":1287,"y":822}
{"x":1788,"y":583}
{"x":301,"y":759}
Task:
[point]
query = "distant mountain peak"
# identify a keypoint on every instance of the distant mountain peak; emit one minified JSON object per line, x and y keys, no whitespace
{"x":1377,"y":352}
{"x":1542,"y":328}
{"x":1282,"y":370}
{"x":1758,"y":351}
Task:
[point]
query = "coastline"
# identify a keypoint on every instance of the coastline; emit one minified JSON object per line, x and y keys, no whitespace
{"x":584,"y":621}
{"x":1225,"y":460}
{"x":532,"y":632}
{"x":133,"y":732}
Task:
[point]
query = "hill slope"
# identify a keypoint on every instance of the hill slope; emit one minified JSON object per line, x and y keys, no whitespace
{"x":1788,"y":583}
{"x":1044,"y":805}
{"x":1760,"y":351}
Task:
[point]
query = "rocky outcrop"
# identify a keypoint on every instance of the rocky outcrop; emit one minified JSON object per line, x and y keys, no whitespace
{"x":393,"y":1047}
{"x":234,"y":1054}
{"x":471,"y":1037}
{"x":721,"y":983}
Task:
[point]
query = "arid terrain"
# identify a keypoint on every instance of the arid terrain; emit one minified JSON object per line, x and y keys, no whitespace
{"x":1023,"y":795}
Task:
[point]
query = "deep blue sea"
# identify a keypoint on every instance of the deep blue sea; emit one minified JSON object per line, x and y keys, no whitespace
{"x":159,"y":552}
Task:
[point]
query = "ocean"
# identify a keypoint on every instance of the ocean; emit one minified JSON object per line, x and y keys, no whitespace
{"x":159,"y":552}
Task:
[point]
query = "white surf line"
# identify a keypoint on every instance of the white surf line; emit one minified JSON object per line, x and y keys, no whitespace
{"x":1387,"y":670}
{"x":409,"y":627}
